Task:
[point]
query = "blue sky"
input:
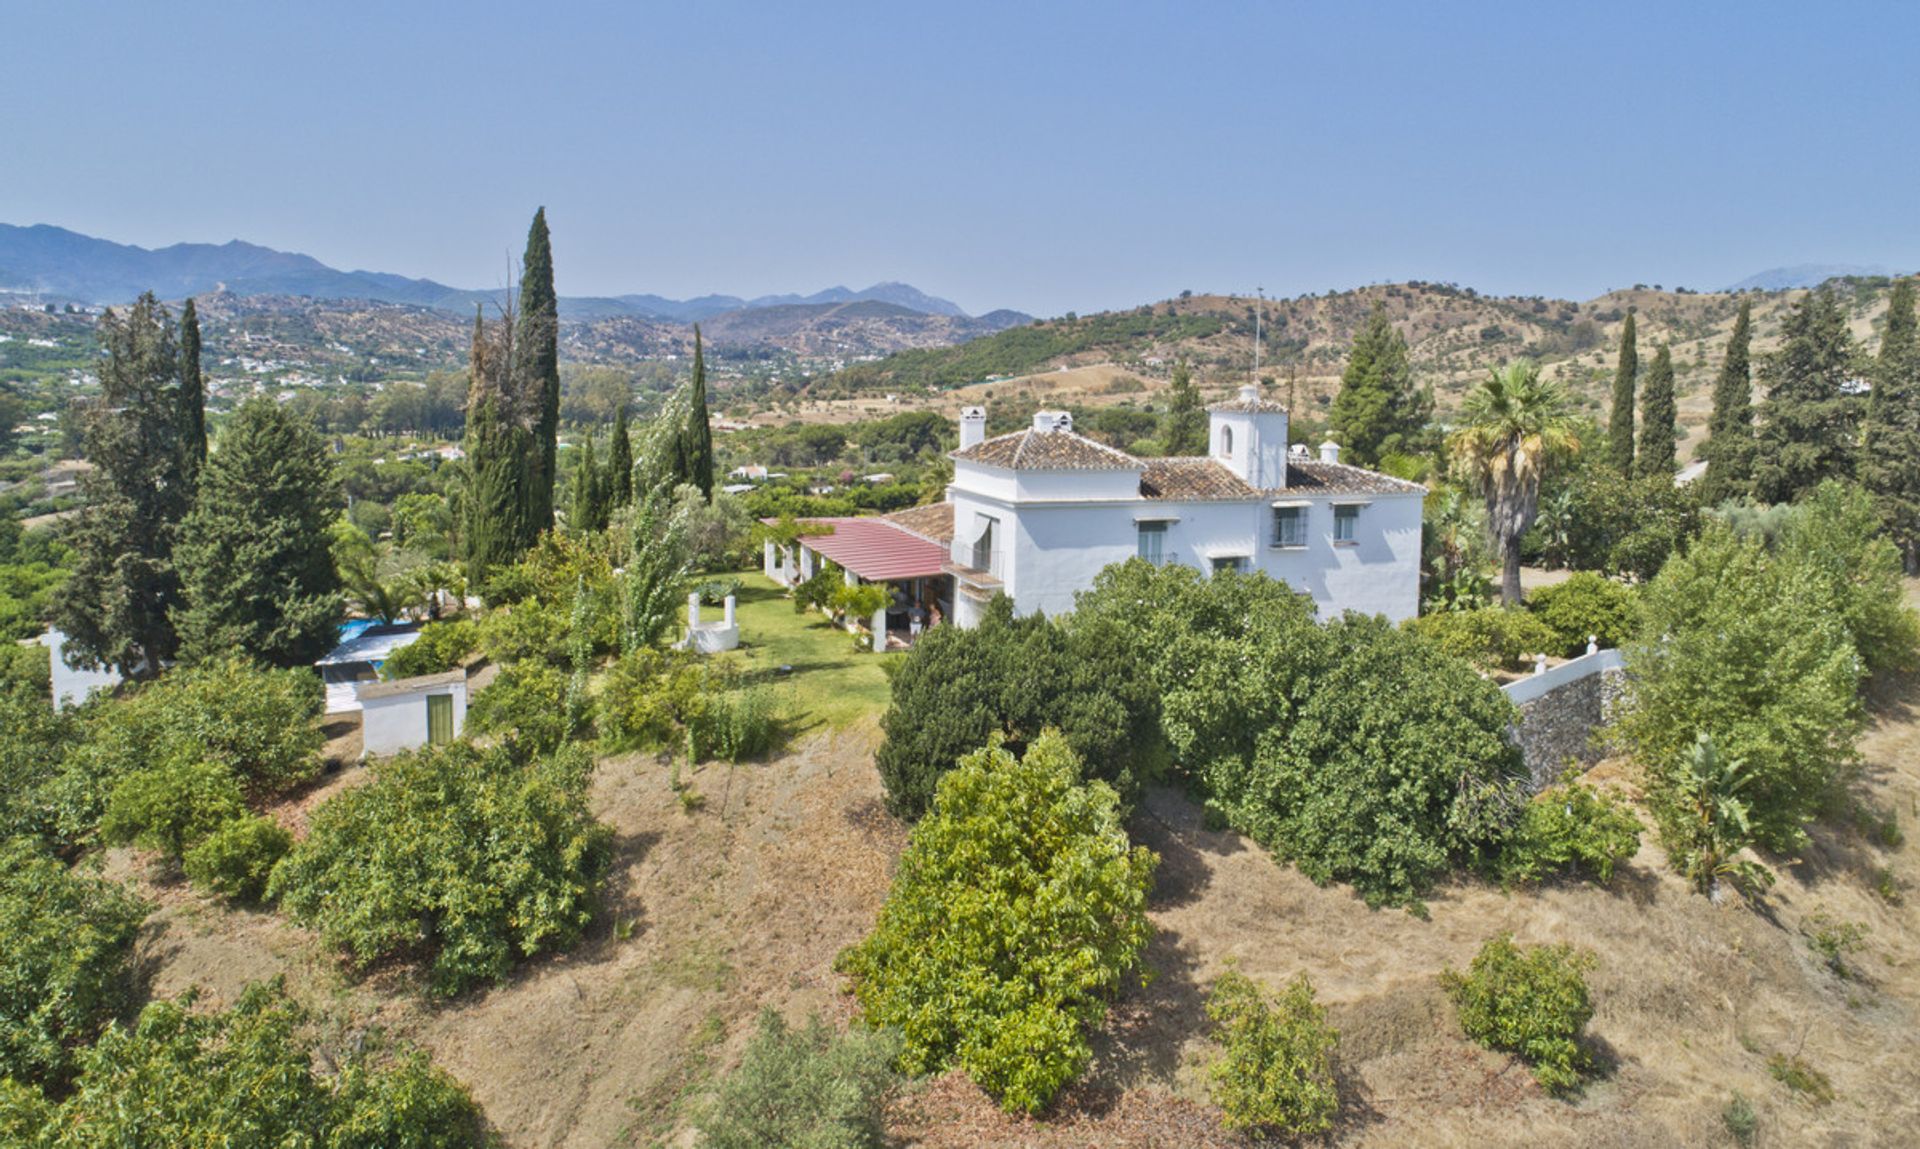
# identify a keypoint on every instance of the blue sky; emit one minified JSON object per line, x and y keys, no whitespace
{"x":1040,"y":156}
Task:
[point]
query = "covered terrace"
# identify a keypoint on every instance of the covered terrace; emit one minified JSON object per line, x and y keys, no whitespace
{"x":886,"y":550}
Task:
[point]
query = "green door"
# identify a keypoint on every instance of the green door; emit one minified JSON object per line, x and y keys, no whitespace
{"x":439,"y":718}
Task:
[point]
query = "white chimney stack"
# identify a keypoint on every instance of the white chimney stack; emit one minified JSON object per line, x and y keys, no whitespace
{"x":1329,"y":452}
{"x":973,"y":426}
{"x":1049,"y":421}
{"x":1249,"y":393}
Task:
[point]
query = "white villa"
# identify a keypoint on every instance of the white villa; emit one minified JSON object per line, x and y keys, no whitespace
{"x":1036,"y":514}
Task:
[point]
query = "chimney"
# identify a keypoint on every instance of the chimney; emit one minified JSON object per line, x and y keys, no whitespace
{"x":1329,"y":452}
{"x":973,"y":426}
{"x":1249,"y":393}
{"x":1050,"y":421}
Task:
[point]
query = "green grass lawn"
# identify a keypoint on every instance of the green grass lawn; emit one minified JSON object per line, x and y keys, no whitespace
{"x":832,"y":684}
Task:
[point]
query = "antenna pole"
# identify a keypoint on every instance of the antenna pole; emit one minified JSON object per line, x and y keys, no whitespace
{"x":1258,"y":314}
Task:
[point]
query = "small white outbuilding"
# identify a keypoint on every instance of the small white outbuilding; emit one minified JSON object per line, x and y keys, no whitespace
{"x":412,"y":712}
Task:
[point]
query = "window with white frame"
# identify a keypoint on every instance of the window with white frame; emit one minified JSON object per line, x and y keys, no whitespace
{"x":1153,"y":542}
{"x":1229,"y":563}
{"x":1289,"y":526}
{"x":1345,"y":520}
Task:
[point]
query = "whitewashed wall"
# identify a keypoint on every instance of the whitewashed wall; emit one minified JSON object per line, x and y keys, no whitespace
{"x":399,"y":722}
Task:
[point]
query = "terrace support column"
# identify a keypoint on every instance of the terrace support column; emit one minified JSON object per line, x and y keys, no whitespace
{"x":766,"y":561}
{"x":880,"y":630}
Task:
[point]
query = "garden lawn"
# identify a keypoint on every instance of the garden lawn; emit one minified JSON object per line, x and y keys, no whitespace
{"x":833,"y":685}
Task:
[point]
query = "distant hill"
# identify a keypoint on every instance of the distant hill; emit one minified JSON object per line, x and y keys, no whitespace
{"x":1804,"y":275}
{"x":63,"y":265}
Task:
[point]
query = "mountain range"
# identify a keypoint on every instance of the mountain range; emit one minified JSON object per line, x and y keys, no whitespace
{"x":66,"y":266}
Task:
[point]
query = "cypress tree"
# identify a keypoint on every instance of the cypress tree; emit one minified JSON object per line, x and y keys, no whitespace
{"x":590,"y":492}
{"x":536,"y":368}
{"x":1729,"y":446}
{"x":193,"y":396}
{"x":620,"y":460}
{"x":500,"y":454}
{"x":255,"y":555}
{"x":1183,"y":429}
{"x":116,"y":606}
{"x":696,"y":440}
{"x":1620,"y":423}
{"x":1378,"y":410}
{"x":1657,"y":419}
{"x":1808,"y":422}
{"x":1890,"y":453}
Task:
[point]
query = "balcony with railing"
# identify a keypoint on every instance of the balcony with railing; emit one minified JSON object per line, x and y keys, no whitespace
{"x":977,"y":564}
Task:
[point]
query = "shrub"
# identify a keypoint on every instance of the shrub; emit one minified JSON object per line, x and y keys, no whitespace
{"x":527,"y":631}
{"x":526,"y":708}
{"x":37,"y":742}
{"x":1569,"y":827}
{"x":440,"y":647}
{"x":455,"y":853}
{"x":235,"y":860}
{"x":1277,"y":1070}
{"x":1801,"y":1077}
{"x":1017,"y":909}
{"x":804,"y":1087}
{"x":1749,"y":650}
{"x":1493,"y":637}
{"x":245,"y":1076}
{"x":714,"y":591}
{"x":1833,"y":939}
{"x":1527,"y":1000}
{"x":817,"y":590}
{"x":66,"y":966}
{"x":1836,"y":535}
{"x":1586,"y":604}
{"x":736,"y":725}
{"x":1741,"y":1121}
{"x":172,"y":807}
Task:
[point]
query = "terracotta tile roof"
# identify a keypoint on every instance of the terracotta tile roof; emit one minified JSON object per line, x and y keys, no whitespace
{"x":876,"y":549}
{"x":1192,"y":479}
{"x":1032,"y":450}
{"x":934,"y":521}
{"x":1315,"y":477}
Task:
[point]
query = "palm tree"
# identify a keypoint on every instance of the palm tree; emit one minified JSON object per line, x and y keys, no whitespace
{"x":1516,"y":424}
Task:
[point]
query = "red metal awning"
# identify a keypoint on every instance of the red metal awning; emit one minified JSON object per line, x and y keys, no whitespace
{"x":877,"y":550}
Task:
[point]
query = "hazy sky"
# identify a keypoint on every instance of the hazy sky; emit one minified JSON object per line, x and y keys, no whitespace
{"x":1039,"y":156}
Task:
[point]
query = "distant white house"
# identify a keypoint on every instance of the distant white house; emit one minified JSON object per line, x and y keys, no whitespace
{"x":355,"y":663}
{"x":1037,"y":514}
{"x":72,"y":687}
{"x":412,"y":712}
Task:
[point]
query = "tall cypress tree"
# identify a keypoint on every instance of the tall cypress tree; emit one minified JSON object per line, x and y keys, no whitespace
{"x":193,"y":396}
{"x":1890,"y":451}
{"x":1657,"y":418}
{"x":696,"y":439}
{"x":1183,"y":429}
{"x":116,"y":607}
{"x":590,"y":493}
{"x":620,"y":460}
{"x":1620,"y":423}
{"x":1729,"y":446}
{"x":500,"y":461}
{"x":1378,"y":410}
{"x":536,"y":367}
{"x":1808,"y":422}
{"x":255,"y":555}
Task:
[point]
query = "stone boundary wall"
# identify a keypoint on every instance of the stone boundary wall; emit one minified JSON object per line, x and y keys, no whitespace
{"x":1560,"y":711}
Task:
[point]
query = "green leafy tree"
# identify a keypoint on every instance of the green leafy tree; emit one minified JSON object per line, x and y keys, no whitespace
{"x":1569,"y":828}
{"x":1183,"y":428}
{"x":654,"y":533}
{"x":464,"y":855}
{"x":67,"y":967}
{"x":255,"y":555}
{"x":696,"y":439}
{"x":236,"y":859}
{"x":116,"y":607}
{"x":1378,"y":411}
{"x":1276,"y":1070}
{"x":1514,"y":426}
{"x":1729,"y":446}
{"x":1626,"y":377}
{"x":1019,"y":908}
{"x":1528,"y":1000}
{"x":1809,"y":424}
{"x":171,"y":807}
{"x":440,"y":647}
{"x":620,"y":460}
{"x":1587,"y":606}
{"x":1890,"y":449}
{"x":536,"y":369}
{"x":1833,"y":535}
{"x":807,"y":1087}
{"x":1657,"y":418}
{"x":193,"y":396}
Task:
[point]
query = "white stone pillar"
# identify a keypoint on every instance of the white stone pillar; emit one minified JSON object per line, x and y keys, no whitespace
{"x":880,"y":630}
{"x":1539,"y":664}
{"x":729,"y":608}
{"x":766,"y":560}
{"x":1593,"y":644}
{"x":693,"y":610}
{"x":806,"y":564}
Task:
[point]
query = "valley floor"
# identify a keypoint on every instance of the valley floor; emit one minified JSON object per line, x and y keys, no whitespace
{"x":746,"y":900}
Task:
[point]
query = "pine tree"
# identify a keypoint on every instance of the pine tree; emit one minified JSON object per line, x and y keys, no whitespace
{"x":620,"y":460}
{"x":536,"y":368}
{"x":1378,"y":410}
{"x":1808,"y":422}
{"x":116,"y":606}
{"x":255,"y":554}
{"x":1890,"y":452}
{"x":193,"y":396}
{"x":696,"y":440}
{"x":1183,"y":429}
{"x":1620,"y":424}
{"x":1729,"y":446}
{"x":1657,"y":418}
